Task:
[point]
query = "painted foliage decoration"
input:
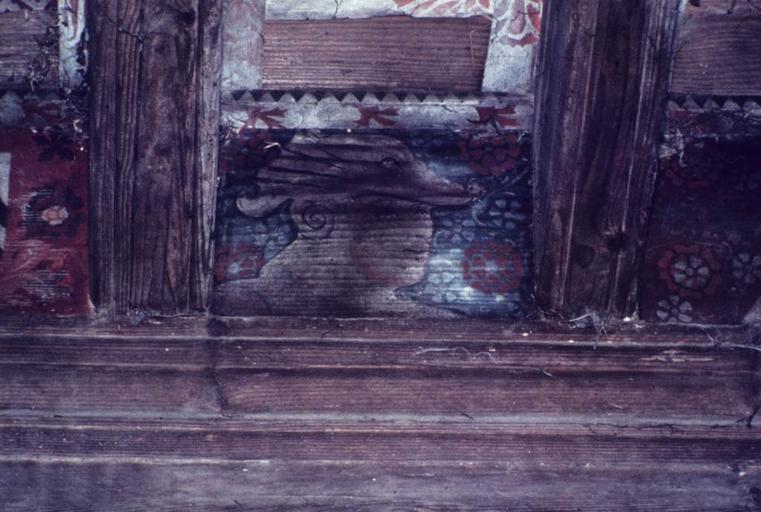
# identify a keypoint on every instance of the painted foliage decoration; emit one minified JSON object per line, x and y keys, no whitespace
{"x":43,"y":209}
{"x":271,"y":109}
{"x":430,"y":223}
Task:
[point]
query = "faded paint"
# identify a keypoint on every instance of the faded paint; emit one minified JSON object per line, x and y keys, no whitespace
{"x":510,"y":63}
{"x":73,"y":53}
{"x":496,"y":112}
{"x":328,"y":9}
{"x":243,"y":44}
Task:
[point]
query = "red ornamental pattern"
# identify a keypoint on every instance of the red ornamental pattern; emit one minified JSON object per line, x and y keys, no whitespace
{"x":491,"y":267}
{"x":519,"y":22}
{"x":690,"y":270}
{"x":493,"y":155}
{"x":440,"y":7}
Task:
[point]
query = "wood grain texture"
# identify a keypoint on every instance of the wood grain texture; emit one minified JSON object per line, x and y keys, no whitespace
{"x":394,"y":52}
{"x":376,"y":378}
{"x":155,"y":102}
{"x":28,"y":49}
{"x":718,"y":55}
{"x":243,"y":44}
{"x":95,"y":420}
{"x":598,"y":114}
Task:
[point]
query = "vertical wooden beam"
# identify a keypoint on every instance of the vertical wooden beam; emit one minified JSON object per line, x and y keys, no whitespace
{"x":600,"y":99}
{"x":156,"y":67}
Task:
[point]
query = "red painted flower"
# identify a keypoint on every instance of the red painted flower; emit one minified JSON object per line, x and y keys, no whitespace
{"x":491,"y":155}
{"x":519,"y":22}
{"x":492,"y":267}
{"x":690,"y":270}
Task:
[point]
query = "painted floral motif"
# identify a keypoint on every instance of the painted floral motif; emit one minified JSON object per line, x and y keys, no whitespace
{"x":690,"y":270}
{"x":674,"y":309}
{"x":382,"y":116}
{"x":518,"y":22}
{"x":746,"y":268}
{"x":444,"y":7}
{"x":708,"y":195}
{"x":491,"y":155}
{"x":503,"y":212}
{"x":455,"y":232}
{"x":492,"y":267}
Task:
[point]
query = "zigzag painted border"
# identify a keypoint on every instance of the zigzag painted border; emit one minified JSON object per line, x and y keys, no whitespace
{"x":711,"y":116}
{"x":357,"y":110}
{"x":748,"y":104}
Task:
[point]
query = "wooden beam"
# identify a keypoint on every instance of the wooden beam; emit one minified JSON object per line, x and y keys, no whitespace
{"x":719,"y":55}
{"x":390,"y":52}
{"x":398,"y":417}
{"x":600,"y":101}
{"x":156,"y":70}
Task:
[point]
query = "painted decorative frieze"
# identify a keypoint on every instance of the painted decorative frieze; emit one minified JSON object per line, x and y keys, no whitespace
{"x":368,"y":110}
{"x":511,"y":61}
{"x":703,"y":253}
{"x":427,"y":223}
{"x":43,"y":207}
{"x":328,"y":9}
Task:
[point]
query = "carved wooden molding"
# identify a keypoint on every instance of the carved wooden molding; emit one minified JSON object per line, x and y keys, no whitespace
{"x":599,"y":109}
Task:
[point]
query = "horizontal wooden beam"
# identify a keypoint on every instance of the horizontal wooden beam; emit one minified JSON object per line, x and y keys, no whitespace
{"x":369,"y":376}
{"x":599,"y":108}
{"x":172,"y":418}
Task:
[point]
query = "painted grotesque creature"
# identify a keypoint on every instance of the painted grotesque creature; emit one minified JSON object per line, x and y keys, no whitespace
{"x":361,"y":206}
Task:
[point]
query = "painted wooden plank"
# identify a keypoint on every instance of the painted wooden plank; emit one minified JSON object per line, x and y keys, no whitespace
{"x":72,"y":42}
{"x":264,"y":110}
{"x":445,"y":54}
{"x":243,"y":42}
{"x":323,"y":10}
{"x":718,"y":55}
{"x":153,"y":172}
{"x":599,"y":114}
{"x":28,"y":48}
{"x":413,"y":224}
{"x":511,"y":62}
